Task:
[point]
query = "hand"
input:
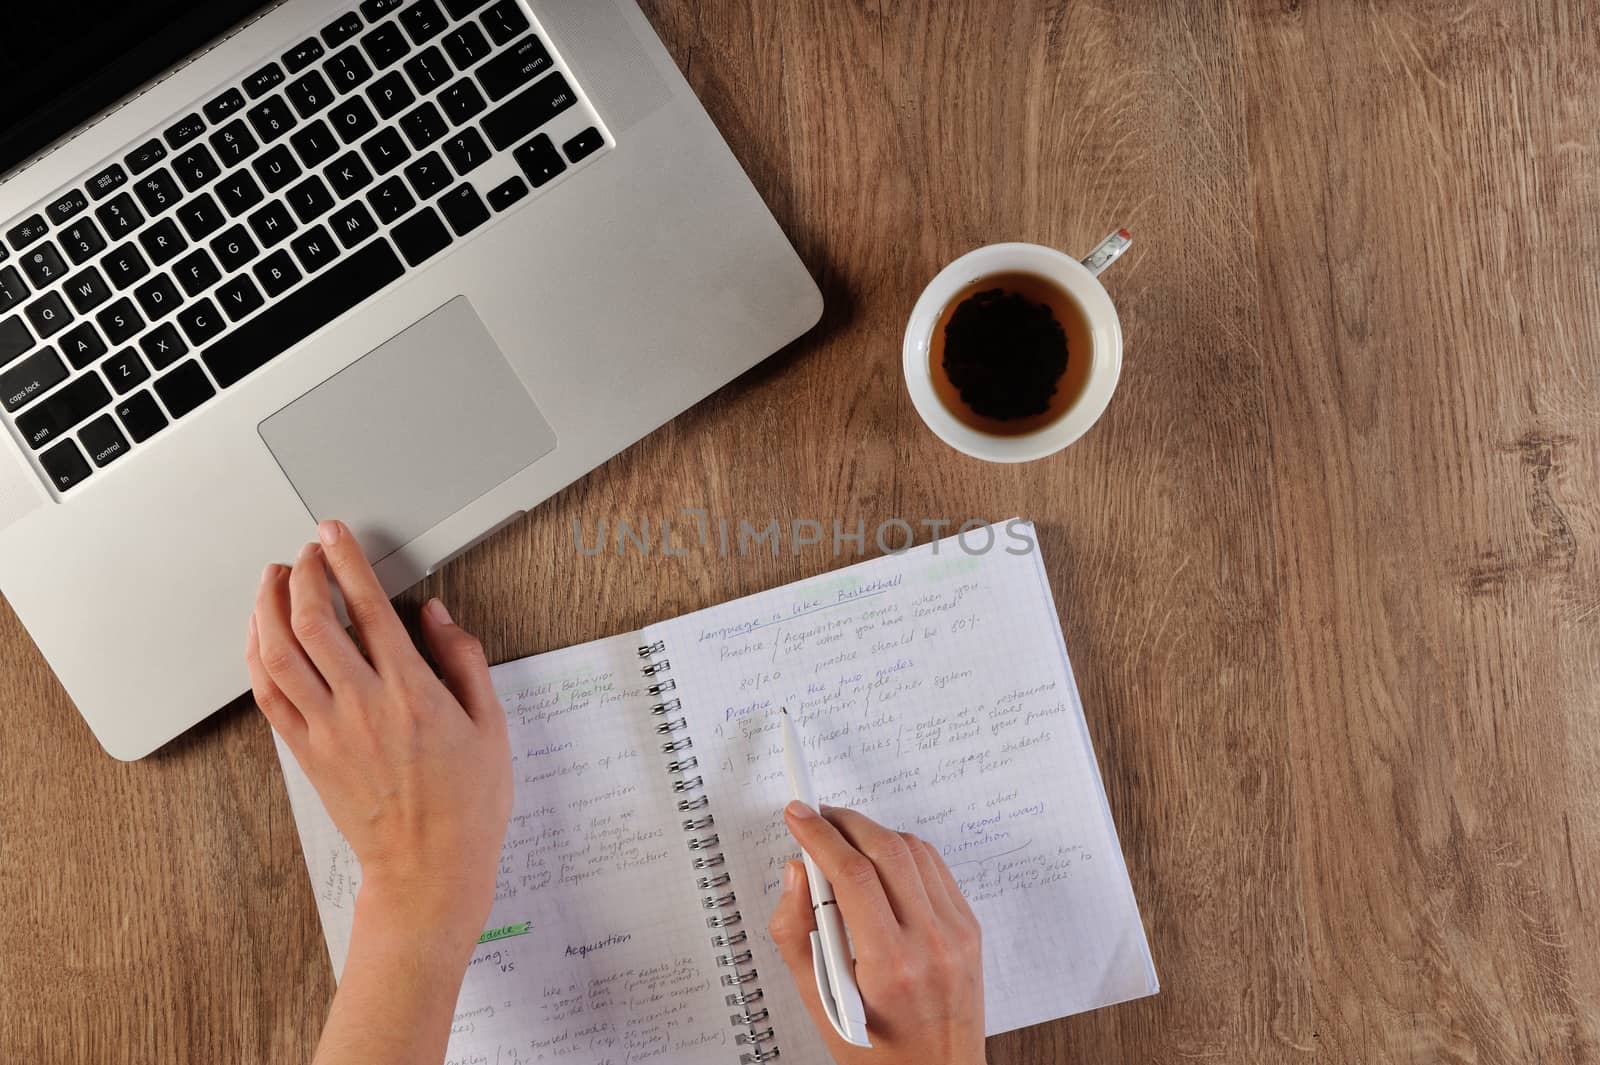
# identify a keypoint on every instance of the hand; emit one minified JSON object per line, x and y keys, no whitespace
{"x":414,"y":770}
{"x":919,"y":957}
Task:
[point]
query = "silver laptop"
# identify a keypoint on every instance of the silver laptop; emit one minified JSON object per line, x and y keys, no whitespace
{"x":417,"y":264}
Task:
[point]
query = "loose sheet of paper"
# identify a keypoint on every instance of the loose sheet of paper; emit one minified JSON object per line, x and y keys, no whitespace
{"x":934,"y":694}
{"x":598,"y":951}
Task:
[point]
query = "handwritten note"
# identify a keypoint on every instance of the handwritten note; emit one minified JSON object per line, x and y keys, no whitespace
{"x":934,"y":694}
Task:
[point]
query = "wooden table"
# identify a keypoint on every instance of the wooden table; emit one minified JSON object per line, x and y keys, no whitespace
{"x":1327,"y":568}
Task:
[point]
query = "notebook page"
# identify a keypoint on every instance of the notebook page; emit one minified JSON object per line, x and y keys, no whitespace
{"x":934,"y":694}
{"x":596,"y":954}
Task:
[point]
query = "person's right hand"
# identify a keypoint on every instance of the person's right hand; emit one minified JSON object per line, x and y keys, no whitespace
{"x":919,"y":955}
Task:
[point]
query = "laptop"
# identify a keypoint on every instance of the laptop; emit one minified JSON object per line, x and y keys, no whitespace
{"x":417,"y":264}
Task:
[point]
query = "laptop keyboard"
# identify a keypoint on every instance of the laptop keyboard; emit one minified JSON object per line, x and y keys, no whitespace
{"x":274,"y":206}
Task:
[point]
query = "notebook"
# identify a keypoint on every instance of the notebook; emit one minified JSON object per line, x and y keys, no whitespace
{"x":647,"y":841}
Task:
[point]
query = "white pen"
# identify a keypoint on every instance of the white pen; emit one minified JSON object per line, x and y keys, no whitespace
{"x":830,"y":950}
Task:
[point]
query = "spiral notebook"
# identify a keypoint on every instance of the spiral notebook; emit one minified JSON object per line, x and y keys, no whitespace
{"x":647,"y":841}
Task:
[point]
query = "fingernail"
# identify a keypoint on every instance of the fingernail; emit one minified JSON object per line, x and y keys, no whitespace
{"x":330,"y":531}
{"x":799,"y":811}
{"x":791,"y":877}
{"x":436,"y":610}
{"x":308,"y":550}
{"x":268,"y":574}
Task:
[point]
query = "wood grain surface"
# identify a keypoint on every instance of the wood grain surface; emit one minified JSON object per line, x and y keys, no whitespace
{"x":1327,"y":568}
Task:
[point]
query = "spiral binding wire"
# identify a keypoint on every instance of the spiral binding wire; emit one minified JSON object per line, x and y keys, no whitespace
{"x":705,"y":856}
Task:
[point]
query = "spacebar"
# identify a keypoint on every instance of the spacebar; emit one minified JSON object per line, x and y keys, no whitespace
{"x":301,"y":313}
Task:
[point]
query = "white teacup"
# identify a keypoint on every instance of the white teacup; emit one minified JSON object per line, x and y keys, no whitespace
{"x":1079,"y":280}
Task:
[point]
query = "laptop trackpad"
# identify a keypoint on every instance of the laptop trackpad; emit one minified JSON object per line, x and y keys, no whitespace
{"x":407,"y":435}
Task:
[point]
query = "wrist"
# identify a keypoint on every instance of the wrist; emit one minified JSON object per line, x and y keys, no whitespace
{"x":439,"y":916}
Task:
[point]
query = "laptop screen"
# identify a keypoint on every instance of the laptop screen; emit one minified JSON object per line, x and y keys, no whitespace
{"x":63,"y":61}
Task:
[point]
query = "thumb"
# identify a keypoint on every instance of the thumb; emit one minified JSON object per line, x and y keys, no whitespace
{"x":461,"y":662}
{"x":791,"y":927}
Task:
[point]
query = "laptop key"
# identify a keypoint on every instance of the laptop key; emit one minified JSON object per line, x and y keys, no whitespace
{"x":391,"y":200}
{"x":424,"y":126}
{"x":310,"y":199}
{"x":504,"y":21}
{"x":302,"y":312}
{"x":315,"y":249}
{"x":14,"y":339}
{"x":196,"y":167}
{"x":263,"y":81}
{"x":234,"y":143}
{"x":146,"y":156}
{"x":43,"y":265}
{"x":277,"y":273}
{"x":82,"y":345}
{"x":13,"y":290}
{"x":30,"y":378}
{"x":385,"y":45}
{"x":385,"y":150}
{"x":227,"y":104}
{"x":272,"y":118}
{"x":66,"y":206}
{"x":65,"y":465}
{"x":540,"y":160}
{"x":120,"y":216}
{"x":163,"y":242}
{"x":466,"y":151}
{"x":201,"y":216}
{"x":309,"y":94}
{"x":158,"y":297}
{"x":273,"y":224}
{"x":141,"y":416}
{"x":514,"y":68}
{"x":107,"y":181}
{"x":157,"y":192}
{"x":314,"y":144}
{"x":353,"y":224}
{"x":124,"y":266}
{"x":184,"y":389}
{"x":584,"y":145}
{"x":302,"y":55}
{"x":61,"y":411}
{"x":197,"y":272}
{"x":120,"y":322}
{"x":391,"y":94}
{"x":26,"y":232}
{"x":348,"y":175}
{"x":277,"y":168}
{"x":428,"y":70}
{"x":103,"y":440}
{"x":234,"y":248}
{"x":461,"y":100}
{"x":466,"y":45}
{"x":428,"y":175}
{"x":239,"y":298}
{"x":49,"y":314}
{"x":184,"y":130}
{"x":239,"y":192}
{"x":421,"y":237}
{"x":201,"y":322}
{"x":507,"y":193}
{"x":347,"y":70}
{"x":423,"y":21}
{"x":163,"y":346}
{"x":87,"y":289}
{"x":125,"y":370}
{"x":373,"y":10}
{"x":341,"y":30}
{"x":519,"y":116}
{"x":464,"y":209}
{"x":353,"y":119}
{"x":82,"y":241}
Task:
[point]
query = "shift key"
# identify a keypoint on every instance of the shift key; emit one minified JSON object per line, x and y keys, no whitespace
{"x":66,"y":408}
{"x":519,"y":116}
{"x":31,"y":377}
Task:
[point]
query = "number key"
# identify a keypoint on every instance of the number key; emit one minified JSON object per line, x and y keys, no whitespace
{"x":120,"y":216}
{"x":82,"y":241}
{"x":196,"y":167}
{"x":234,"y":143}
{"x":157,"y":191}
{"x":272,"y":118}
{"x":12,"y":289}
{"x":43,"y":265}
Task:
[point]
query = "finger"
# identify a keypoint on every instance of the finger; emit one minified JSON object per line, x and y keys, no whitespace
{"x":274,"y":705}
{"x":862,"y":901}
{"x":897,"y":869}
{"x":286,"y":664}
{"x":316,"y":625}
{"x":370,"y":611}
{"x":791,"y":927}
{"x":462,"y":664}
{"x":932,"y":880}
{"x":957,"y":897}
